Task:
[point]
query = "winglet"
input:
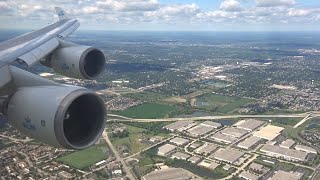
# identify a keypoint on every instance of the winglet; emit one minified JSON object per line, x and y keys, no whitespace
{"x":61,"y":13}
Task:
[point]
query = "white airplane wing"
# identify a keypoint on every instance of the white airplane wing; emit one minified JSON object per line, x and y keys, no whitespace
{"x":62,"y":116}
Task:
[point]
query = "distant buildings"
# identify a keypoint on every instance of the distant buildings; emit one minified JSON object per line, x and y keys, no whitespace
{"x":249,"y":142}
{"x":269,"y":132}
{"x":305,"y":149}
{"x":180,"y":126}
{"x":179,"y":141}
{"x":248,"y":175}
{"x":283,"y":175}
{"x":166,"y":149}
{"x":281,"y":152}
{"x":287,"y":143}
{"x":170,"y":174}
{"x":228,"y":155}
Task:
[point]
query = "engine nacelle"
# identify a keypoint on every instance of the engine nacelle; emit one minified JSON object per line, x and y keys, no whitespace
{"x":74,"y":118}
{"x":76,"y":61}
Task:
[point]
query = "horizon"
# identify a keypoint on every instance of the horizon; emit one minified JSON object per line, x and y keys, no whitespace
{"x":164,"y":15}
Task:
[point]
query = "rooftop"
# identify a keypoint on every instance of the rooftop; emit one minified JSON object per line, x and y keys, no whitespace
{"x":305,"y":148}
{"x":200,"y":130}
{"x":206,"y":148}
{"x":180,"y":155}
{"x":212,"y":124}
{"x":235,"y":132}
{"x":224,"y":138}
{"x":250,"y":124}
{"x":177,"y":125}
{"x":291,"y":153}
{"x":169,"y":174}
{"x":269,"y":132}
{"x":248,"y":175}
{"x":287,"y":143}
{"x":228,"y":155}
{"x":283,"y":175}
{"x":208,"y":164}
{"x":165,"y":149}
{"x":249,"y":142}
{"x":179,"y":141}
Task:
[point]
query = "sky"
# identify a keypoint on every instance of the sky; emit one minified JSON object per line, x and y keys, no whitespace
{"x":167,"y":15}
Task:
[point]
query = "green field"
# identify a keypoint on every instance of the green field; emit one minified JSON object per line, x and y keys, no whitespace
{"x":147,"y":96}
{"x":220,"y":103}
{"x":132,"y":141}
{"x":148,"y":111}
{"x":85,"y":158}
{"x":285,"y":121}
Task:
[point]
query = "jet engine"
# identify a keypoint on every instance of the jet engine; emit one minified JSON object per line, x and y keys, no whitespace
{"x":72,"y":119}
{"x":76,"y":61}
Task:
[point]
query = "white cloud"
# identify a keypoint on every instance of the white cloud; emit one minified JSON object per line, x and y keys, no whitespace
{"x":299,"y":12}
{"x":273,"y":3}
{"x":230,"y":5}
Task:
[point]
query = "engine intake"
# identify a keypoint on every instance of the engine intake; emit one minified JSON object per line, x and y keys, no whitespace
{"x":73,"y":120}
{"x":76,"y":61}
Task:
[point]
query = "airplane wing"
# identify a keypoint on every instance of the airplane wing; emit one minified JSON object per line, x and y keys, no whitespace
{"x":60,"y":115}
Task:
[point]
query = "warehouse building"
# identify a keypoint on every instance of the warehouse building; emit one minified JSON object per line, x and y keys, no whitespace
{"x":287,"y":143}
{"x":200,"y":130}
{"x":283,"y":175}
{"x":228,"y":155}
{"x":289,"y":154}
{"x":170,"y":174}
{"x":166,"y":149}
{"x":223,"y":138}
{"x":179,"y":141}
{"x":212,"y":124}
{"x":269,"y":132}
{"x":234,"y":132}
{"x":305,"y":149}
{"x":206,"y":149}
{"x":180,"y":155}
{"x":194,"y":159}
{"x":249,"y":125}
{"x":179,"y":126}
{"x":208,"y":164}
{"x":248,"y":176}
{"x":249,"y":142}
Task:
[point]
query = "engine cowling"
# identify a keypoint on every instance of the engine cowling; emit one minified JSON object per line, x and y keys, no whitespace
{"x":73,"y":119}
{"x":76,"y":61}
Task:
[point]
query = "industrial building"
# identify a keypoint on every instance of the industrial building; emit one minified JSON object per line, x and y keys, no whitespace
{"x":234,"y":132}
{"x":248,"y":175}
{"x":200,"y":130}
{"x":228,"y":155}
{"x":180,"y":155}
{"x":166,"y":149}
{"x":170,"y":174}
{"x":258,"y":168}
{"x":208,"y":164}
{"x":249,"y":142}
{"x":179,"y":141}
{"x":194,"y":159}
{"x":287,"y":143}
{"x":305,"y":149}
{"x":269,"y":132}
{"x":289,"y":154}
{"x":283,"y":175}
{"x":249,"y":124}
{"x":179,"y":126}
{"x":206,"y":149}
{"x":223,"y":138}
{"x":212,"y":124}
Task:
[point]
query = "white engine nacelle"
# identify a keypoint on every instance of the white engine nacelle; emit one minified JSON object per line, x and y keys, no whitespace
{"x":76,"y":61}
{"x":73,"y":119}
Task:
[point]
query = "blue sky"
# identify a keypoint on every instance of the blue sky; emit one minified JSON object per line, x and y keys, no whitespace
{"x":167,"y":15}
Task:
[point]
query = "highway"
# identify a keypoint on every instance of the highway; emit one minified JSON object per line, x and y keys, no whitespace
{"x":127,"y":119}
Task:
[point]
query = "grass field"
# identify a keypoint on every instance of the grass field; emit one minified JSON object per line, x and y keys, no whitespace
{"x":220,"y":103}
{"x":132,"y":141}
{"x":147,"y":96}
{"x":285,"y":121}
{"x":148,"y":110}
{"x":85,"y":158}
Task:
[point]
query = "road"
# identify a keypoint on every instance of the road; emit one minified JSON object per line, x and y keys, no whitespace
{"x":123,"y":118}
{"x":117,"y":155}
{"x":303,"y":120}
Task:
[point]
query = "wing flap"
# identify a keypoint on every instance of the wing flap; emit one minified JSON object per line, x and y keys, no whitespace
{"x":70,"y":30}
{"x":40,"y":52}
